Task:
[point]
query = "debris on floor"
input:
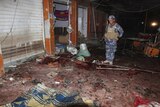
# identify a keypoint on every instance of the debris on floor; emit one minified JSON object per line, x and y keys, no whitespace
{"x":83,"y":51}
{"x":71,"y":49}
{"x":104,"y":88}
{"x":52,"y":74}
{"x":117,"y":67}
{"x":68,"y":68}
{"x":141,"y":102}
{"x":54,"y":65}
{"x":46,"y":60}
{"x":40,"y":95}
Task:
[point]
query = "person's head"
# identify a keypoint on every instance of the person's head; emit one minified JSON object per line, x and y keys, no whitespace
{"x":112,"y":19}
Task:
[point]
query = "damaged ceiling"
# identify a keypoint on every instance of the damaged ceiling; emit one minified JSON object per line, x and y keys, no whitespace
{"x":126,"y":5}
{"x":137,"y":12}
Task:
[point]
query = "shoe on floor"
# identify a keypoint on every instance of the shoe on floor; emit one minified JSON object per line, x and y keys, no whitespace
{"x":110,"y":63}
{"x":105,"y":62}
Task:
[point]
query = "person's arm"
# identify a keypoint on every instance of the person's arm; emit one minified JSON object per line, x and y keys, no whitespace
{"x":120,"y":30}
{"x":106,"y":29}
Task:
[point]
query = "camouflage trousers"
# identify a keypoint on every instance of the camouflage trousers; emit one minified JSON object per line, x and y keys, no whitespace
{"x":111,"y":47}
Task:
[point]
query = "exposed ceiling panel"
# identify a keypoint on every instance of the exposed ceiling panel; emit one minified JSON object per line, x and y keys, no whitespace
{"x":127,"y":5}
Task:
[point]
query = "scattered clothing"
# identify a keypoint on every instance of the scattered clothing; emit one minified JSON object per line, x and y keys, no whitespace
{"x":42,"y":96}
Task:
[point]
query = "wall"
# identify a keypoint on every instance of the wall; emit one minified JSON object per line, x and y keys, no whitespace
{"x":100,"y":23}
{"x":21,"y":28}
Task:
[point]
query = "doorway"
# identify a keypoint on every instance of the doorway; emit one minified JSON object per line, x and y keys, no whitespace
{"x":82,"y":21}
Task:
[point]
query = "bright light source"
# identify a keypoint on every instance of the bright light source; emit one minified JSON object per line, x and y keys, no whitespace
{"x":153,"y":24}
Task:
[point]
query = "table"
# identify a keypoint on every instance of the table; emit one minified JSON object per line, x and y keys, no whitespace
{"x":136,"y":42}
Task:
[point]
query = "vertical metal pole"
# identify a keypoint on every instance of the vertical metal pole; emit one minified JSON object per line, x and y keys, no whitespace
{"x":89,"y":19}
{"x":145,"y":23}
{"x":94,"y":22}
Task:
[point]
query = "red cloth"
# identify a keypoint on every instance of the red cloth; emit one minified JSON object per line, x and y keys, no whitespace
{"x":61,"y":15}
{"x":140,"y":101}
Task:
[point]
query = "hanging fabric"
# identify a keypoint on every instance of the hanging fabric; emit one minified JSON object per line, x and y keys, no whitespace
{"x":70,"y":47}
{"x":69,"y":29}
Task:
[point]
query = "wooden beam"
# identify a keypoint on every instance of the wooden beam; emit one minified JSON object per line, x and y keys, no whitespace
{"x":74,"y":21}
{"x":1,"y":64}
{"x":49,"y":28}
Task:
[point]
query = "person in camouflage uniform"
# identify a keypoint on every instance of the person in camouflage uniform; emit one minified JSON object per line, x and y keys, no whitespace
{"x":112,"y":33}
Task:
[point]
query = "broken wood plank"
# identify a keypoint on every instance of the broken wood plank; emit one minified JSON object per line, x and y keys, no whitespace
{"x":120,"y":69}
{"x":117,"y":66}
{"x":126,"y":69}
{"x":123,"y":68}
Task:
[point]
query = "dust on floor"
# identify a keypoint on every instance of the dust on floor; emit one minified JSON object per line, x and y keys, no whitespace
{"x":107,"y":88}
